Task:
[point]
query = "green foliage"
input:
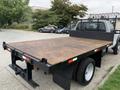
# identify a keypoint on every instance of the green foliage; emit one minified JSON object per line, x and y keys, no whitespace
{"x":75,"y":10}
{"x":67,"y":11}
{"x":113,"y":82}
{"x":13,"y":11}
{"x":61,"y":13}
{"x":19,"y":26}
{"x":42,"y":18}
{"x":60,"y":6}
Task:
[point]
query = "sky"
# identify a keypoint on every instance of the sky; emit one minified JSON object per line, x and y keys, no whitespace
{"x":94,"y":6}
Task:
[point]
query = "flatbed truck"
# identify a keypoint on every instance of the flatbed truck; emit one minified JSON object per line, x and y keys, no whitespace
{"x":67,"y":58}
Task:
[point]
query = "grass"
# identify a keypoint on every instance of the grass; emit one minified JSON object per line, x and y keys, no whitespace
{"x":113,"y":82}
{"x":20,"y":26}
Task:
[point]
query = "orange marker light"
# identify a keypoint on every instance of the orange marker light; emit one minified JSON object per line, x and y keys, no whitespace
{"x":70,"y":61}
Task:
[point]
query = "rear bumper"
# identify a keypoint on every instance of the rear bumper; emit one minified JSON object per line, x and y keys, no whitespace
{"x":42,"y":63}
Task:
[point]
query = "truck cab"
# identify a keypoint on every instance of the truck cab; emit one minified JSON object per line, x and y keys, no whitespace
{"x":99,"y":26}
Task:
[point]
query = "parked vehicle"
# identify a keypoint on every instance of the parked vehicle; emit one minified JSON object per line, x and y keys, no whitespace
{"x":48,"y":29}
{"x":67,"y":29}
{"x":66,"y":58}
{"x":63,"y":30}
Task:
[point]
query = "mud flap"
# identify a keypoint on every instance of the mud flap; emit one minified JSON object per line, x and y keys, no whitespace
{"x":63,"y":77}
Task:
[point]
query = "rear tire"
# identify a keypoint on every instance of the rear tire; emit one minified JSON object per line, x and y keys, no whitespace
{"x":115,"y":51}
{"x":116,"y":48}
{"x":85,"y":71}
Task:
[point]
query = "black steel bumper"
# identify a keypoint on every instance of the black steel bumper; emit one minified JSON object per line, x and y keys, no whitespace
{"x":26,"y":74}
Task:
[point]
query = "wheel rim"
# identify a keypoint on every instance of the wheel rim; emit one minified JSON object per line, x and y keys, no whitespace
{"x":89,"y":72}
{"x":119,"y":47}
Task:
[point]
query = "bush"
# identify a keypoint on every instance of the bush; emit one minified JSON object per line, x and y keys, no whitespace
{"x":19,"y":26}
{"x":43,"y":18}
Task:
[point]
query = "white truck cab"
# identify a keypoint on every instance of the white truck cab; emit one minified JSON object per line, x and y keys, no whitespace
{"x":101,"y":26}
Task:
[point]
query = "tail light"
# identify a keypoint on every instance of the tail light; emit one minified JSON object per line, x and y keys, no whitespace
{"x":72,"y":60}
{"x":108,"y":45}
{"x":9,"y":49}
{"x":26,"y":58}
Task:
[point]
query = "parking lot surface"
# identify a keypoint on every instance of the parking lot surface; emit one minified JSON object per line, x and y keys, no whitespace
{"x":9,"y":81}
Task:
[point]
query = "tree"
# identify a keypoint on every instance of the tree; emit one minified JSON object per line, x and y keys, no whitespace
{"x":12,"y":11}
{"x":67,"y":11}
{"x":61,"y":13}
{"x":60,"y":6}
{"x":43,"y":18}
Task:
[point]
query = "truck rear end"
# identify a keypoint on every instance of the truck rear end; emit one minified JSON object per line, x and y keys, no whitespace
{"x":65,"y":58}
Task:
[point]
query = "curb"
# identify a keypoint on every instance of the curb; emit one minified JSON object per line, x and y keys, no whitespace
{"x":106,"y":77}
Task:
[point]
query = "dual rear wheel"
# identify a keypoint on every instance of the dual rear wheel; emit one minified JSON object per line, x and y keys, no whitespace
{"x":85,"y":71}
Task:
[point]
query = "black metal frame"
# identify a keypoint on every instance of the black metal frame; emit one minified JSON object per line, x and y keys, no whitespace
{"x":98,"y":20}
{"x":26,"y":74}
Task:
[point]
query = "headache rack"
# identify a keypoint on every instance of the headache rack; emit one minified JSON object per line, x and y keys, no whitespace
{"x":112,"y":20}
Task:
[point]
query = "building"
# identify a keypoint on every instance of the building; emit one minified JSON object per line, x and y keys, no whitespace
{"x":105,"y":15}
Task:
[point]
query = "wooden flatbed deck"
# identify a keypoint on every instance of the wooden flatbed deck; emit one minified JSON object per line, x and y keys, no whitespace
{"x":59,"y":49}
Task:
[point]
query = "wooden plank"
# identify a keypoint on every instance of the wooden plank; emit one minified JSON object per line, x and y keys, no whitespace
{"x":59,"y":49}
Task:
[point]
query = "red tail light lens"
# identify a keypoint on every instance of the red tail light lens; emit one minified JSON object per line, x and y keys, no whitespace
{"x":70,"y":61}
